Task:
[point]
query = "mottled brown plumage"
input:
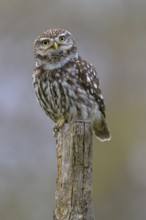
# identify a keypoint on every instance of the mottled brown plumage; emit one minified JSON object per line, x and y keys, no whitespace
{"x":66,"y":86}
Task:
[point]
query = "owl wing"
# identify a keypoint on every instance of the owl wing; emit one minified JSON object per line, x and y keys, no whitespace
{"x":90,"y":82}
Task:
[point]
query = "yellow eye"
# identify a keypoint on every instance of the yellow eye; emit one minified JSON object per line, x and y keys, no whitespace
{"x":45,"y":43}
{"x":62,"y":39}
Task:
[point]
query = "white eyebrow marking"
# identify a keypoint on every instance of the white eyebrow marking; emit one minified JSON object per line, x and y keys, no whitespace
{"x":44,"y":38}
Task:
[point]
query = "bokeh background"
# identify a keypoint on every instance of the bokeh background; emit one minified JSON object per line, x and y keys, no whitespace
{"x":110,"y":34}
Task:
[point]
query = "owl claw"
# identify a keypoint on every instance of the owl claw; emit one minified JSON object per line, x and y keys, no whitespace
{"x":58,"y":125}
{"x":55,"y":132}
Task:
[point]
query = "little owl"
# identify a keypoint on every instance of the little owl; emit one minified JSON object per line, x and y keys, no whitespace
{"x":67,"y":86}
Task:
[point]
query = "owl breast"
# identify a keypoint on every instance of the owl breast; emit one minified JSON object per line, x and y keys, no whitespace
{"x":59,"y":93}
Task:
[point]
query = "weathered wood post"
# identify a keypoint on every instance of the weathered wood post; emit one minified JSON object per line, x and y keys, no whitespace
{"x":74,"y":181}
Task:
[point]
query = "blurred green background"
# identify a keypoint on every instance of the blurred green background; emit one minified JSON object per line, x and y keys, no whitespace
{"x":110,"y":34}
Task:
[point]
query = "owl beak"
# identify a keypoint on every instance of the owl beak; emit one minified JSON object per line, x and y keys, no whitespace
{"x":55,"y":45}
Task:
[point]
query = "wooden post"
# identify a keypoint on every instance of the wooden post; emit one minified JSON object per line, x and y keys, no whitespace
{"x":74,"y":182}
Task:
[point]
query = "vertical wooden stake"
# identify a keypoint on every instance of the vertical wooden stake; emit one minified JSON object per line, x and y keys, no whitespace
{"x":74,"y":182}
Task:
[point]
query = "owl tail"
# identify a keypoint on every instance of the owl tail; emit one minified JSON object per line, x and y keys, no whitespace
{"x":101,"y":131}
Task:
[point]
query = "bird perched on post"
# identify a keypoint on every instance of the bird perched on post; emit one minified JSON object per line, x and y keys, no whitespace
{"x":67,"y":86}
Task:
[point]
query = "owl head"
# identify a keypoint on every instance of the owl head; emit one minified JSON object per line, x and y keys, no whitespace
{"x":54,"y":48}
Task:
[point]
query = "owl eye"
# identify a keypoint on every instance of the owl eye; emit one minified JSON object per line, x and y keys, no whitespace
{"x":45,"y":43}
{"x":62,"y":39}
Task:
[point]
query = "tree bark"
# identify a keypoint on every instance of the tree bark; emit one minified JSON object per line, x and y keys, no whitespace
{"x":74,"y":182}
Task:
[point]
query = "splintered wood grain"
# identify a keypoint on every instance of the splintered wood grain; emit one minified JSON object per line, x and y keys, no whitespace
{"x":74,"y":181}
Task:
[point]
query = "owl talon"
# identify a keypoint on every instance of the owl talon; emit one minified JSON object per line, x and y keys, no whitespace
{"x":55,"y":131}
{"x":58,"y":125}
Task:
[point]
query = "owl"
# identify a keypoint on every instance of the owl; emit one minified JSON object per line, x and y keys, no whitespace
{"x":67,"y":86}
